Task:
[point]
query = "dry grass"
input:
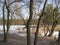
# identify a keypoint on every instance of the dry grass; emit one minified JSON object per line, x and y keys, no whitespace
{"x":41,"y":29}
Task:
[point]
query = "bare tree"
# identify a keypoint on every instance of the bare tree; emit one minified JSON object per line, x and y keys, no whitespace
{"x":28,"y":23}
{"x":55,"y":21}
{"x":4,"y":22}
{"x":8,"y":14}
{"x":36,"y":34}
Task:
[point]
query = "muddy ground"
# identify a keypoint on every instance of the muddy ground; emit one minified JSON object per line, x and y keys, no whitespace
{"x":21,"y":40}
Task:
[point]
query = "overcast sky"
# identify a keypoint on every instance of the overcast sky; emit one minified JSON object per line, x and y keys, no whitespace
{"x":25,"y":9}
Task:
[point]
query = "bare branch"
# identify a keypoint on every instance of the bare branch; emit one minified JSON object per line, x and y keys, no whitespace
{"x":14,"y":2}
{"x":37,"y":29}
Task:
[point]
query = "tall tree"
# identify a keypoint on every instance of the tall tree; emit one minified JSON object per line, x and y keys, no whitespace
{"x":36,"y":34}
{"x":48,"y":19}
{"x":55,"y":19}
{"x":28,"y":23}
{"x":4,"y":22}
{"x":51,"y":15}
{"x":8,"y":14}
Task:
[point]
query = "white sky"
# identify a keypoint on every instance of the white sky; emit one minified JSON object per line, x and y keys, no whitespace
{"x":25,"y":11}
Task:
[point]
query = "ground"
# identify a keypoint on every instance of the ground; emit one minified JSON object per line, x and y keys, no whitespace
{"x":21,"y":40}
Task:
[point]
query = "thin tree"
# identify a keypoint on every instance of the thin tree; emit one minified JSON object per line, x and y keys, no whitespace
{"x":8,"y":14}
{"x":36,"y":34}
{"x":54,"y":20}
{"x":4,"y":22}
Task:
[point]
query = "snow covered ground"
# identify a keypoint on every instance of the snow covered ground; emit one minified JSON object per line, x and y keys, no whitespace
{"x":14,"y":31}
{"x":12,"y":27}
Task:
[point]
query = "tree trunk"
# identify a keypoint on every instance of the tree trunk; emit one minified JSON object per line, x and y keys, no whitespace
{"x":6,"y":32}
{"x":28,"y":23}
{"x":4,"y":22}
{"x":36,"y":34}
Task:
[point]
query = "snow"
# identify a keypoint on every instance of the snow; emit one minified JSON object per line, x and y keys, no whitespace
{"x":14,"y":31}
